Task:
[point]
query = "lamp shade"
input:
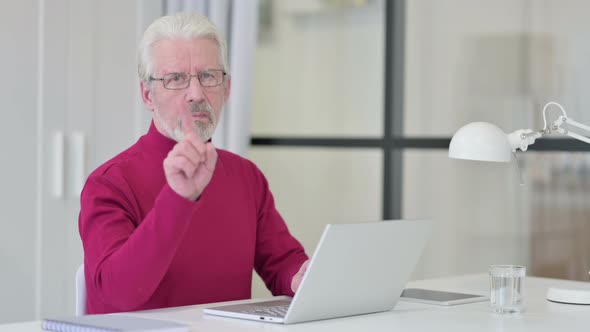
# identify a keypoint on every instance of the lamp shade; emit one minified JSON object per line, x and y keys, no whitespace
{"x":480,"y":141}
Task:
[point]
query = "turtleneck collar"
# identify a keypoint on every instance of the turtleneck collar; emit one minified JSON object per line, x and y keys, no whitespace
{"x":155,"y":141}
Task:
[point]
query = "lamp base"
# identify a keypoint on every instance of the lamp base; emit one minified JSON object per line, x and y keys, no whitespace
{"x":580,"y":295}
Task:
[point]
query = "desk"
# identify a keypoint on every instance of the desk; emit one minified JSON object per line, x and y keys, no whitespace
{"x":539,"y":315}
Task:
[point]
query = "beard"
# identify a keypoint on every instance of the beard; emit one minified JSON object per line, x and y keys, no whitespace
{"x":203,"y":129}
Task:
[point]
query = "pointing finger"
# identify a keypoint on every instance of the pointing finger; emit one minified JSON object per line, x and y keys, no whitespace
{"x":187,"y":123}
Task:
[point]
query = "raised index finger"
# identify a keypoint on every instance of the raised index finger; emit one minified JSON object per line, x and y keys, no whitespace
{"x":191,"y":133}
{"x":187,"y":123}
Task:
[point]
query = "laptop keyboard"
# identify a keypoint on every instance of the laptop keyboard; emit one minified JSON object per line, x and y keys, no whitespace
{"x":274,"y":311}
{"x":278,"y":311}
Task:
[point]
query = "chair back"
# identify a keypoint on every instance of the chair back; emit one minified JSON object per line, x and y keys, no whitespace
{"x":80,"y":292}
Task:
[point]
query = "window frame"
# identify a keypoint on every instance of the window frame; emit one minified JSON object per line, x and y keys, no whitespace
{"x":394,"y":143}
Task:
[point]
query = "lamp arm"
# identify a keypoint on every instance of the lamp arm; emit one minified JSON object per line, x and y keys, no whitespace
{"x":561,"y":120}
{"x":522,"y":138}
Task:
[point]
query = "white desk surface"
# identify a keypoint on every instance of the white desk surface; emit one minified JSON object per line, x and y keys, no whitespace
{"x":539,"y":315}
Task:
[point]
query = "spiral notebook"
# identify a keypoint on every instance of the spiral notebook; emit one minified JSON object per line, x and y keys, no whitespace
{"x":110,"y":323}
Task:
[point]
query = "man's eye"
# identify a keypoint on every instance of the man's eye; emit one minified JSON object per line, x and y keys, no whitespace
{"x":176,"y":77}
{"x":206,"y":75}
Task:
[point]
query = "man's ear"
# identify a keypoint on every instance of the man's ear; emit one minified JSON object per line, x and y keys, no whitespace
{"x":146,"y":95}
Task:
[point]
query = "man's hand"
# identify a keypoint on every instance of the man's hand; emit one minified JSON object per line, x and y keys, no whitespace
{"x":296,"y":281}
{"x":190,"y":164}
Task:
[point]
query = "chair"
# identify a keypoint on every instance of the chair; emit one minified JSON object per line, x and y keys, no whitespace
{"x":80,"y":292}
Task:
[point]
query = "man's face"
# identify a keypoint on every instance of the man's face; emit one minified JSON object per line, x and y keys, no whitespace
{"x":204,"y":103}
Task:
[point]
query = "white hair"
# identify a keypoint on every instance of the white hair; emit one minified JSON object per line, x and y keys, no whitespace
{"x":181,"y":25}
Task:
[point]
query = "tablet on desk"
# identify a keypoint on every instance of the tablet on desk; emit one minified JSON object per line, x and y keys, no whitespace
{"x":439,"y":297}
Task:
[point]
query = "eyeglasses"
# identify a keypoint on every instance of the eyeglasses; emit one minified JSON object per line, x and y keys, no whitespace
{"x":178,"y":81}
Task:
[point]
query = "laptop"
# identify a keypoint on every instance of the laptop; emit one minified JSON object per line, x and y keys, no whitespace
{"x":356,"y":269}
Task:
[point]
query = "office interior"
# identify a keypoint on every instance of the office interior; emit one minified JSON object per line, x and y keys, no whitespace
{"x":352,"y":105}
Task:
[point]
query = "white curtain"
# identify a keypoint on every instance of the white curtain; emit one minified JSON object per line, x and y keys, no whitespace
{"x":238,"y":21}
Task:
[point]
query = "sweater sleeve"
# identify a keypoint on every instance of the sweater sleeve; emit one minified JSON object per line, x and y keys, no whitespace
{"x":124,"y":262}
{"x":278,"y":254}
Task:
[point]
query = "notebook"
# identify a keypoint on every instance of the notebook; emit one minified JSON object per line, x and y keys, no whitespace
{"x":108,"y":323}
{"x":355,"y":269}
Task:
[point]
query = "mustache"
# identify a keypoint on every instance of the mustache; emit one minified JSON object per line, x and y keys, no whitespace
{"x":201,"y":107}
{"x":205,"y":108}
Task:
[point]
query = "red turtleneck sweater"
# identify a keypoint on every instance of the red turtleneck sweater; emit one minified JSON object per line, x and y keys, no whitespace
{"x":146,"y":247}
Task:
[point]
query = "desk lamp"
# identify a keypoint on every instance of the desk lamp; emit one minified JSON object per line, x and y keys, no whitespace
{"x":484,"y":141}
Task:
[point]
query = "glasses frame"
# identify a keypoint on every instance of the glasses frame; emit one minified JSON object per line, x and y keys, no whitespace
{"x":190,"y":76}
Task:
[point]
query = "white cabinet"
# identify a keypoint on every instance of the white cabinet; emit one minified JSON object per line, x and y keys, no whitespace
{"x":70,"y":101}
{"x":18,"y":144}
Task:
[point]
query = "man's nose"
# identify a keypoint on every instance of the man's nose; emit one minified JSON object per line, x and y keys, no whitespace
{"x":194,"y":92}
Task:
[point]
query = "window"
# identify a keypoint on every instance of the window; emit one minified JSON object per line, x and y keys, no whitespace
{"x":499,"y":62}
{"x":317,"y":121}
{"x":370,"y":93}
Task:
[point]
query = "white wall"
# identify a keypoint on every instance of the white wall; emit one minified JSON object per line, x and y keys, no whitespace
{"x":70,"y":68}
{"x":18,"y":143}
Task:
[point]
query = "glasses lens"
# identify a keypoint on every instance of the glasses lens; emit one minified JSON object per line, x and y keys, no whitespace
{"x":176,"y":80}
{"x":210,"y":78}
